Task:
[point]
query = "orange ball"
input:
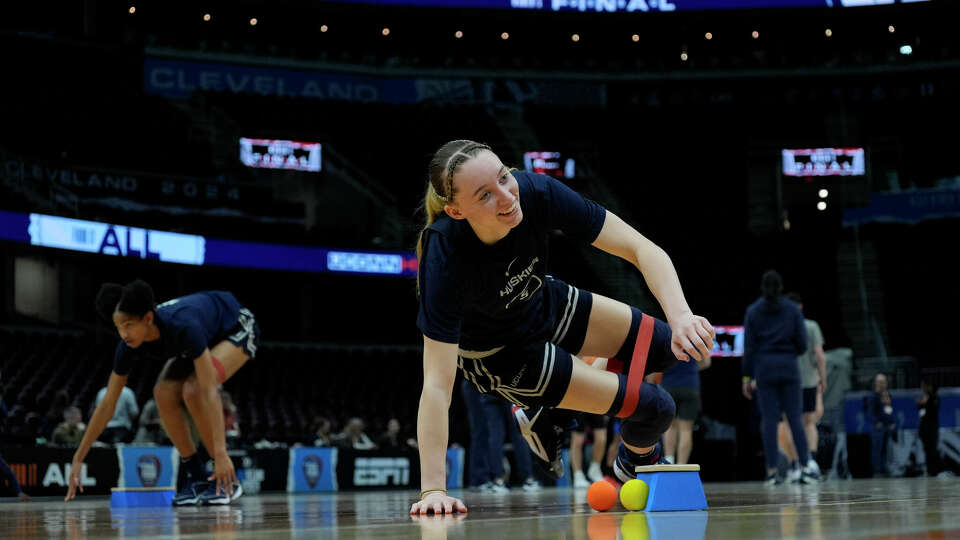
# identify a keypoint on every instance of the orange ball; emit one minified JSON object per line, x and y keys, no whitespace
{"x":601,"y":496}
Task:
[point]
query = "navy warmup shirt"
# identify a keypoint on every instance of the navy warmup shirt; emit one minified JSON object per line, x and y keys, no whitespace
{"x":188,"y":325}
{"x":483,"y":297}
{"x":682,"y":374}
{"x":774,"y":335}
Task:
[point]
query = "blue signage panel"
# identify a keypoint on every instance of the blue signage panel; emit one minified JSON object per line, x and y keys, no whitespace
{"x":858,"y":416}
{"x":147,"y":467}
{"x":118,"y":240}
{"x":312,"y":469}
{"x":177,"y":79}
{"x":911,"y":206}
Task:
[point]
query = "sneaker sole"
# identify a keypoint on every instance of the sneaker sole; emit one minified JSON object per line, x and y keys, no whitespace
{"x":526,"y":429}
{"x":187,"y":502}
{"x":622,"y":474}
{"x":223,"y":499}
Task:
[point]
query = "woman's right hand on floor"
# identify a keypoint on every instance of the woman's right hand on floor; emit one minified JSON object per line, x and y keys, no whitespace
{"x":439,"y":503}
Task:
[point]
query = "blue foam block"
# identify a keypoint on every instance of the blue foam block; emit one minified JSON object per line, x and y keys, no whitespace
{"x":153,"y":497}
{"x":688,"y":525}
{"x":674,"y":490}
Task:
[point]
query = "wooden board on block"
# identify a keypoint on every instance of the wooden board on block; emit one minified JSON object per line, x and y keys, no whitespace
{"x":667,"y":468}
{"x":142,"y":489}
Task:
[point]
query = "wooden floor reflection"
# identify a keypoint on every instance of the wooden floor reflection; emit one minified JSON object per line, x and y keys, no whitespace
{"x":884,"y":508}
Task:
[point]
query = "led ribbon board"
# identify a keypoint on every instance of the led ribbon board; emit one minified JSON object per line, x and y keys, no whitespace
{"x":122,"y":241}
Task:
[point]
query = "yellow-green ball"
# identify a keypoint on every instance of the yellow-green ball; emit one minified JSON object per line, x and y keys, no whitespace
{"x":633,"y":494}
{"x":635,"y":527}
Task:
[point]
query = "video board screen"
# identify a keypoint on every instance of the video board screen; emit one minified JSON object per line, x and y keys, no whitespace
{"x":280,"y":154}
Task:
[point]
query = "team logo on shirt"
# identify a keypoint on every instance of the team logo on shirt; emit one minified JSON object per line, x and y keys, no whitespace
{"x":531,"y":283}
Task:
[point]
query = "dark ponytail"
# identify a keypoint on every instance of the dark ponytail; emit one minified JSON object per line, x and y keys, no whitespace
{"x":772,"y":286}
{"x":134,"y":298}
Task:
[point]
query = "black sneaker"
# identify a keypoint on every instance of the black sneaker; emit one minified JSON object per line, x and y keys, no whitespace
{"x":189,"y":495}
{"x":626,"y":469}
{"x":543,"y":437}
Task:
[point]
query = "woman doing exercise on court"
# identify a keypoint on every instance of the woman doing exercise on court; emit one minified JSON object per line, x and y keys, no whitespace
{"x":203,"y":338}
{"x":488,"y":308}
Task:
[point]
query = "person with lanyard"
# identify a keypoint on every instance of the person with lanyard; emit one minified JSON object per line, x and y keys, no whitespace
{"x":203,"y":338}
{"x":487,"y":307}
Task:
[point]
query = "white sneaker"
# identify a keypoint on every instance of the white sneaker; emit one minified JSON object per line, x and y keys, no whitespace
{"x":810,"y":473}
{"x":794,"y":475}
{"x":532,"y":485}
{"x":594,"y":473}
{"x":580,"y":481}
{"x":497,"y":486}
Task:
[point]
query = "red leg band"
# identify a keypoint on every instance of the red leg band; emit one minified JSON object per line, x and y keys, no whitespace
{"x":637,"y":366}
{"x":222,"y":373}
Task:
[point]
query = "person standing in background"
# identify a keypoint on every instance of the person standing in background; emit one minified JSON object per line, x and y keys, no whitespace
{"x":885,"y":425}
{"x":929,"y":410}
{"x":682,"y":381}
{"x":813,"y":383}
{"x":774,"y":335}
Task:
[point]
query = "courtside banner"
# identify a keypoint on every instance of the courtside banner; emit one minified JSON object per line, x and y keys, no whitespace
{"x":148,"y":466}
{"x":858,"y":414}
{"x":378,"y":469}
{"x":312,"y":469}
{"x":43,"y":471}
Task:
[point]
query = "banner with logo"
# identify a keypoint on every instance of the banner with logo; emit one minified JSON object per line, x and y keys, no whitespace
{"x":858,"y":415}
{"x":175,"y":78}
{"x":95,"y":186}
{"x":378,"y":469}
{"x":312,"y":469}
{"x":43,"y":471}
{"x":148,"y":466}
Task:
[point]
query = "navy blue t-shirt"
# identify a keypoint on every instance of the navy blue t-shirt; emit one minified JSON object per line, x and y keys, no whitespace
{"x":774,"y":335}
{"x":686,"y":374}
{"x":188,"y":325}
{"x":482,"y":296}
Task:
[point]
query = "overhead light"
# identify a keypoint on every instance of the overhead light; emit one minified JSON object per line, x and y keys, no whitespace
{"x":635,"y":38}
{"x":458,"y":34}
{"x":324,"y":28}
{"x":821,"y":206}
{"x":823,"y":193}
{"x":683,"y":56}
{"x":132,"y":10}
{"x":828,"y":32}
{"x":575,"y":38}
{"x":253,"y":22}
{"x":891,"y":29}
{"x":755,"y":34}
{"x":906,"y":50}
{"x":385,"y":31}
{"x":708,"y":36}
{"x":206,"y":17}
{"x":504,"y":36}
